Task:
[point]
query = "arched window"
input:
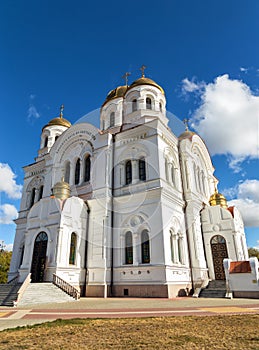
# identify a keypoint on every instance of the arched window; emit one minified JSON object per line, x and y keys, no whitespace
{"x":87,"y":169}
{"x":160,"y":107}
{"x":67,"y":172}
{"x":179,"y":242}
{"x":72,"y":252}
{"x":172,"y":246}
{"x":40,"y":192}
{"x":128,"y":248}
{"x":134,"y":105}
{"x":33,"y":193}
{"x":145,"y":249}
{"x":46,"y":141}
{"x":128,"y":172}
{"x":142,"y":169}
{"x":56,"y":137}
{"x":148,"y":103}
{"x":112,"y":119}
{"x":77,"y":172}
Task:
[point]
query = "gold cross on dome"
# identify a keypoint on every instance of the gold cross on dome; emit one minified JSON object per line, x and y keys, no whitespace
{"x":186,"y":121}
{"x":142,"y":68}
{"x":61,"y":111}
{"x":125,"y":77}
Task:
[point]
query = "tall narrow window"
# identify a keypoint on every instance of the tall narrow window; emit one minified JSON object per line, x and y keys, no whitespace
{"x":112,"y":119}
{"x":128,"y":248}
{"x":72,"y":252}
{"x":179,"y":242}
{"x":148,"y":103}
{"x":134,"y":105}
{"x":160,"y":107}
{"x":77,"y":172}
{"x":172,"y":246}
{"x":142,"y":169}
{"x":40,"y":192}
{"x":56,"y":137}
{"x":46,"y":141}
{"x":128,"y":172}
{"x":87,"y":169}
{"x":67,"y":172}
{"x":145,"y":250}
{"x":33,"y":193}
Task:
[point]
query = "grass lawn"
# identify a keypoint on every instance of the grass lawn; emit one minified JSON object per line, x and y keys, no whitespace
{"x":181,"y":332}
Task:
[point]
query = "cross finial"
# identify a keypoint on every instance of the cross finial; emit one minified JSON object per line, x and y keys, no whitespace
{"x":61,"y":111}
{"x":125,"y":76}
{"x":142,"y":68}
{"x":186,"y":120}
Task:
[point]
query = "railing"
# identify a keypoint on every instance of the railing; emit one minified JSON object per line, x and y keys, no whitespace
{"x":22,"y":289}
{"x":66,"y":287}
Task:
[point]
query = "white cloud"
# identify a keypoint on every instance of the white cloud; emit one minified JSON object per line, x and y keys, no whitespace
{"x":32,"y":113}
{"x":9,"y":247}
{"x":190,"y":85}
{"x":228,"y":120}
{"x":8,"y":183}
{"x":247,"y":201}
{"x":8,"y":213}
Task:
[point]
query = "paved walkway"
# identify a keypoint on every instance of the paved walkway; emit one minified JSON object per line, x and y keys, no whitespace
{"x":122,"y":308}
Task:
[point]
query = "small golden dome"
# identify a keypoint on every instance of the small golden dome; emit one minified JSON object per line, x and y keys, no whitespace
{"x":218,"y":199}
{"x":59,"y":120}
{"x":187,"y":134}
{"x":146,"y":81}
{"x":115,"y":93}
{"x":61,"y":190}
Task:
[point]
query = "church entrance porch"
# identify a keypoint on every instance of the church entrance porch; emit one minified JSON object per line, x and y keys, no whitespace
{"x":39,"y":257}
{"x":219,"y":253}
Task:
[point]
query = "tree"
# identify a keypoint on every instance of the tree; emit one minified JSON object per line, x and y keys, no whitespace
{"x":5,"y":260}
{"x":253,"y":252}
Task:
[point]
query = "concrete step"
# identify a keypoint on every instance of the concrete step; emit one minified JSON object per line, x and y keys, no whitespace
{"x":215,"y":289}
{"x":43,"y":293}
{"x":8,"y":293}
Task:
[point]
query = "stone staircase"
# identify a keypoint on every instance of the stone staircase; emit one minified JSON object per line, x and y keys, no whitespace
{"x":215,"y":289}
{"x":43,"y":293}
{"x":8,"y":293}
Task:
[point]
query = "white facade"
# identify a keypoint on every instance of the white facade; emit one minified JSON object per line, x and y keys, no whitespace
{"x":138,"y":221}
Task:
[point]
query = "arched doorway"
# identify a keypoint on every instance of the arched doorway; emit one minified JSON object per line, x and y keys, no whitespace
{"x":219,"y":253}
{"x":39,"y":257}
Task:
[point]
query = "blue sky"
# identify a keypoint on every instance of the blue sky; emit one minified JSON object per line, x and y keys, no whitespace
{"x":203,"y":53}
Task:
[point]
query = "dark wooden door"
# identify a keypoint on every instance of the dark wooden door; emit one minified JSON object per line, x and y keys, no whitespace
{"x":219,"y":253}
{"x":39,"y":257}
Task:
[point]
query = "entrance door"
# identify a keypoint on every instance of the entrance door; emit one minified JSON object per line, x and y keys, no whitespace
{"x":219,"y":253}
{"x":39,"y":257}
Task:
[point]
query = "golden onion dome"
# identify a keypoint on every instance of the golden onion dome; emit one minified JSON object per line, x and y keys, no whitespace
{"x":115,"y":93}
{"x":61,"y":190}
{"x":59,"y":120}
{"x":146,"y":81}
{"x":187,"y":134}
{"x":218,"y":199}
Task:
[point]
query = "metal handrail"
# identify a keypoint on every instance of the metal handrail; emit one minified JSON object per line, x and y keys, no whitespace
{"x":66,"y":287}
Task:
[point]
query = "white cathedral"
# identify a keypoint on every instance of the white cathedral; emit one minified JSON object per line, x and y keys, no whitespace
{"x":129,"y":209}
